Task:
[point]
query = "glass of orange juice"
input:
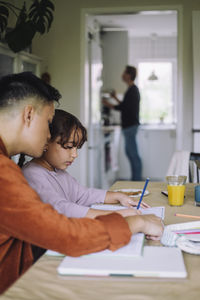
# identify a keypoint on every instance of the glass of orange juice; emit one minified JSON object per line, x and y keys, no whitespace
{"x":176,"y":189}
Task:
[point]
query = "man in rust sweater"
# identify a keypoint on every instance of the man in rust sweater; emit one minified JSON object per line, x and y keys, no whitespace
{"x":28,"y":226}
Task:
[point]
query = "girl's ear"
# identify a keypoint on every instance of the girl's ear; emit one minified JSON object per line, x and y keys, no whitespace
{"x":28,"y":114}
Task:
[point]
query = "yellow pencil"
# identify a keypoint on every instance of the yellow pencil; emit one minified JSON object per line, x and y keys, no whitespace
{"x":187,"y":216}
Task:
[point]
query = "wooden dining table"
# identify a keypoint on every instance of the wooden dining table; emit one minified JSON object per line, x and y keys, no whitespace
{"x":42,"y":281}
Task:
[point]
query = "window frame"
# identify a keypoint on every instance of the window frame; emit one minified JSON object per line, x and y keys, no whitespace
{"x":173,"y":61}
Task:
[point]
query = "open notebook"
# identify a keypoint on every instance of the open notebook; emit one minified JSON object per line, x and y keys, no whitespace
{"x":159,"y":211}
{"x":160,"y":262}
{"x":133,"y":249}
{"x":135,"y":246}
{"x":186,"y":236}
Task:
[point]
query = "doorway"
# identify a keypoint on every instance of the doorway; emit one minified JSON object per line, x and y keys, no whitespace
{"x":148,"y":40}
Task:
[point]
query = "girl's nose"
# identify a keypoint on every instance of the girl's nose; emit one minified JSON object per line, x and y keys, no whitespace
{"x":74,"y":152}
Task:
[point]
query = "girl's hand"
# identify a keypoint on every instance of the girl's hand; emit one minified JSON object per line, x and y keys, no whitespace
{"x":129,"y":202}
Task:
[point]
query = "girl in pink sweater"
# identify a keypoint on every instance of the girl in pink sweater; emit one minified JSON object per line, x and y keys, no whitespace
{"x":48,"y":176}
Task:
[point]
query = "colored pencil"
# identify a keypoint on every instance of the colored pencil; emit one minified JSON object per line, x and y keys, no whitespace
{"x":144,"y":189}
{"x":187,"y":232}
{"x":187,"y":216}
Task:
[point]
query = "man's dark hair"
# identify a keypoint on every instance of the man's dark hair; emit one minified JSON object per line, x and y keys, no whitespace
{"x":63,"y":125}
{"x":132,"y":71}
{"x":16,"y":87}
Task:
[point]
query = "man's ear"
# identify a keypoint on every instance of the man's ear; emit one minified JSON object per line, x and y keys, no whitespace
{"x":28,"y":114}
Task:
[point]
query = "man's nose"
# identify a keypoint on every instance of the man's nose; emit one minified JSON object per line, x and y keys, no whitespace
{"x":48,"y":135}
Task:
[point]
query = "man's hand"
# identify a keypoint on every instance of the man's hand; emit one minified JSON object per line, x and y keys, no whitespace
{"x":113,"y":94}
{"x":128,"y":212}
{"x":107,"y":104}
{"x":150,"y":225}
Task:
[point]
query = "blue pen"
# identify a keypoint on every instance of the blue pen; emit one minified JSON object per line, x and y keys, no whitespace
{"x":144,"y":189}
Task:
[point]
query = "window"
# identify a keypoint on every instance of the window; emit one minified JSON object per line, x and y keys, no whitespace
{"x":157,"y":96}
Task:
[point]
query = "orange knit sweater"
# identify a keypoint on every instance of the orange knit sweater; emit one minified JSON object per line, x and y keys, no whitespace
{"x":25,"y":220}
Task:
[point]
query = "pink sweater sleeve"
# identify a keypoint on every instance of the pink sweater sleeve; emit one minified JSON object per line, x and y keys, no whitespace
{"x":87,"y":196}
{"x":62,"y":191}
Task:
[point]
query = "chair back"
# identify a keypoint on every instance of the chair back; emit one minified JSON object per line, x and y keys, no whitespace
{"x":179,"y":164}
{"x":194,"y":167}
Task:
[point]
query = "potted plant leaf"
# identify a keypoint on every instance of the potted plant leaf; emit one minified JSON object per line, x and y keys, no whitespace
{"x":37,"y":18}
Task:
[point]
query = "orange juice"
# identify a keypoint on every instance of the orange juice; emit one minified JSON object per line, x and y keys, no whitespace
{"x":176,"y":194}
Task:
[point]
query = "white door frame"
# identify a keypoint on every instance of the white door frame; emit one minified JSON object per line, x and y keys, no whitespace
{"x":123,"y":10}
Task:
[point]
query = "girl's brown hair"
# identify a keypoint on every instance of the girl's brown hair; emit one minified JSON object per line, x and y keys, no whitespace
{"x":63,"y":125}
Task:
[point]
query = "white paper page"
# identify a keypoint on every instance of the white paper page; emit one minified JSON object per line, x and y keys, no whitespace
{"x":107,"y":207}
{"x":133,"y":249}
{"x":159,"y":211}
{"x":53,"y":253}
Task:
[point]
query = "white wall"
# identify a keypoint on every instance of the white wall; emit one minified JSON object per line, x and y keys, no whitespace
{"x":115,"y":47}
{"x":149,"y":48}
{"x":115,"y":58}
{"x":196,"y":78}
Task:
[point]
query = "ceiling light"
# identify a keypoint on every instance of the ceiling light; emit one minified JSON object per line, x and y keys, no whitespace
{"x":153,"y":76}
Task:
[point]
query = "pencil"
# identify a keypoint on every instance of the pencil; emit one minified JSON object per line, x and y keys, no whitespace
{"x":144,"y":189}
{"x":187,"y":216}
{"x":198,"y":232}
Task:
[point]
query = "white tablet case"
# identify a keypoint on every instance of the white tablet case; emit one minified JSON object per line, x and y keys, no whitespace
{"x":160,"y":262}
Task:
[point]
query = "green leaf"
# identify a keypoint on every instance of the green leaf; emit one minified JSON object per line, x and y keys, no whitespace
{"x":4,"y":11}
{"x":50,"y":20}
{"x":41,"y":27}
{"x":4,"y":14}
{"x":40,"y":13}
{"x":22,"y":16}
